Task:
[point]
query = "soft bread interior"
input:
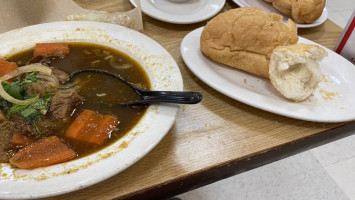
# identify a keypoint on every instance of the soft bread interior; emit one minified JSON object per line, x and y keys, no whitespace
{"x":294,"y":70}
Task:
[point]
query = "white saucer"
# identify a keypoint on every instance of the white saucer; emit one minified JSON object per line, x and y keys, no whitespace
{"x":186,"y":12}
{"x":269,"y":8}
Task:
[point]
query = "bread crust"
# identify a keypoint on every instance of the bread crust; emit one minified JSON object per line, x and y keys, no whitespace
{"x":302,"y":11}
{"x":307,"y":11}
{"x":244,"y":38}
{"x":284,"y":6}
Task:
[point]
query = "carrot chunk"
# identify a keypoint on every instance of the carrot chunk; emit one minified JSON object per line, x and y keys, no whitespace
{"x":45,"y":152}
{"x":6,"y":67}
{"x":51,"y":49}
{"x":19,"y":140}
{"x":91,"y":127}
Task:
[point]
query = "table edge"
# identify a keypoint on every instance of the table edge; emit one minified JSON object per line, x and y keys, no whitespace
{"x":234,"y":167}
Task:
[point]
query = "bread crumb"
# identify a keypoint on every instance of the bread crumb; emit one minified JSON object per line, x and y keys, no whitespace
{"x":328,"y":95}
{"x":325,"y":79}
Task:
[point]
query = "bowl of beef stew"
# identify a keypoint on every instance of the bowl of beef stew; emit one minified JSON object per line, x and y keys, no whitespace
{"x":54,"y":132}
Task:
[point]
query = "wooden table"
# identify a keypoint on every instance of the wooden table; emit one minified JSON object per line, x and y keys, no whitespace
{"x":215,"y":139}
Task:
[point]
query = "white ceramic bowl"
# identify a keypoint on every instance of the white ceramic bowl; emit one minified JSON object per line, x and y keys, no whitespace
{"x":178,"y":1}
{"x":163,"y":73}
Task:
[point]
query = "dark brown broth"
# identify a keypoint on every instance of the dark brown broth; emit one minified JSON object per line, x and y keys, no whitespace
{"x":89,"y":56}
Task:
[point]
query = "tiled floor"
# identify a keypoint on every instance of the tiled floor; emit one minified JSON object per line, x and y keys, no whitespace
{"x":323,"y":173}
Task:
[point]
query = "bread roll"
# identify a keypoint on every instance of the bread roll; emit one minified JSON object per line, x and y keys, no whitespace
{"x":244,"y":38}
{"x":294,"y":70}
{"x":284,"y":6}
{"x":307,"y":11}
{"x":302,"y":11}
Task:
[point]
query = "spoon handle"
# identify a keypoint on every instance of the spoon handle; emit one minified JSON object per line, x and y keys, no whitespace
{"x":170,"y":97}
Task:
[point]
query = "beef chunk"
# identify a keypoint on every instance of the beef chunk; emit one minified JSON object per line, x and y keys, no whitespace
{"x":15,"y":125}
{"x":22,"y":126}
{"x":44,"y":60}
{"x":4,"y":137}
{"x":7,"y":129}
{"x":2,"y":117}
{"x":3,"y":156}
{"x":40,"y":59}
{"x":47,"y":84}
{"x":63,"y":104}
{"x":41,"y":87}
{"x":60,"y":75}
{"x":8,"y":126}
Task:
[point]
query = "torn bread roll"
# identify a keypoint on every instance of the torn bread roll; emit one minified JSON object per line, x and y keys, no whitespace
{"x":244,"y":38}
{"x":294,"y":70}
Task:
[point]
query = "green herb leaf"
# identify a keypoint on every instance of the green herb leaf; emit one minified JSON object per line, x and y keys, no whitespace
{"x":42,"y":104}
{"x":29,"y":113}
{"x":30,"y":78}
{"x":4,"y":104}
{"x":16,"y":109}
{"x":18,"y":88}
{"x":32,"y":112}
{"x":15,"y":89}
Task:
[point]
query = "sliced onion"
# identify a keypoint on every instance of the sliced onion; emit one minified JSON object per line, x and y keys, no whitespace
{"x":101,"y":94}
{"x":11,"y":99}
{"x":119,"y":65}
{"x":25,"y":69}
{"x":51,"y":79}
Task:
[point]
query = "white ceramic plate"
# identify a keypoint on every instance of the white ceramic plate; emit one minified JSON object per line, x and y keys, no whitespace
{"x":269,"y":8}
{"x":185,"y":12}
{"x":163,"y":73}
{"x":332,"y":101}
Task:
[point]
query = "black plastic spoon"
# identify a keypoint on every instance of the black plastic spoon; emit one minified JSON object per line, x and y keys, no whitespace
{"x":147,"y":96}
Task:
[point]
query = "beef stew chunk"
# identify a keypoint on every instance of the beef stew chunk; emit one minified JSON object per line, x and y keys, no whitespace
{"x":6,"y":132}
{"x":47,"y":83}
{"x":40,"y":87}
{"x":22,"y":126}
{"x":42,"y":123}
{"x":63,"y":104}
{"x":60,"y":75}
{"x":2,"y":117}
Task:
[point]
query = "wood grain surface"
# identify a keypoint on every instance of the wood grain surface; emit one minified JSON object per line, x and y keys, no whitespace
{"x":209,"y":137}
